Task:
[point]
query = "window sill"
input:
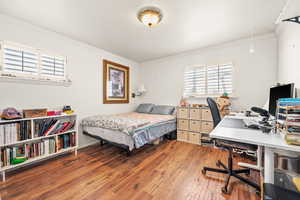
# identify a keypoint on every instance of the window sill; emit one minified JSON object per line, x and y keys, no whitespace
{"x":34,"y":81}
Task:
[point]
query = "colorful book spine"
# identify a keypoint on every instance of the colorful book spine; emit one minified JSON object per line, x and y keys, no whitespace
{"x":14,"y":132}
{"x":28,"y":151}
{"x":51,"y":127}
{"x":289,"y":102}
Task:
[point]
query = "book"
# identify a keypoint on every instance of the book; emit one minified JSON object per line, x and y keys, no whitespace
{"x":283,"y":100}
{"x":65,"y":125}
{"x":52,"y":128}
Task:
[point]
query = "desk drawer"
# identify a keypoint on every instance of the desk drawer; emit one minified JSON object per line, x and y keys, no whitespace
{"x":194,"y":138}
{"x":206,"y":127}
{"x":195,"y":113}
{"x":195,"y":126}
{"x":206,"y":115}
{"x":182,"y":135}
{"x":183,"y":124}
{"x":183,"y":113}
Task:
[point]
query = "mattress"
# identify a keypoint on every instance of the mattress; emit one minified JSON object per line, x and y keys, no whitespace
{"x":157,"y":126}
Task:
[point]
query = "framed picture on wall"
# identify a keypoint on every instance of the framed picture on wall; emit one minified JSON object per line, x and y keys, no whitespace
{"x":115,"y":83}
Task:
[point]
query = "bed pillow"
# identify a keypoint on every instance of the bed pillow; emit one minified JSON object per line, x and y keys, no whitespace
{"x":145,"y":108}
{"x":162,"y":110}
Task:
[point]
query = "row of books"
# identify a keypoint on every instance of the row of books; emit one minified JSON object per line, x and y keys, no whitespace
{"x":52,"y":126}
{"x":13,"y":132}
{"x":289,"y":113}
{"x":66,"y":141}
{"x":28,"y":151}
{"x":41,"y":148}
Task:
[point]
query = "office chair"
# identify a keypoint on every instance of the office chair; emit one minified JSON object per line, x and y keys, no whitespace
{"x":229,"y":146}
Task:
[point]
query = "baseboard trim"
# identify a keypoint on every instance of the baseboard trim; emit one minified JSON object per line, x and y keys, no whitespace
{"x":89,"y":144}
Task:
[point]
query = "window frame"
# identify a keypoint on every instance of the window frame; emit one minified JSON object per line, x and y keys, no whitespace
{"x":21,"y":48}
{"x":232,"y":94}
{"x":5,"y":75}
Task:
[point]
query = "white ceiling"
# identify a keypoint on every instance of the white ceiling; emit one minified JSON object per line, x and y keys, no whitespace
{"x":112,"y":24}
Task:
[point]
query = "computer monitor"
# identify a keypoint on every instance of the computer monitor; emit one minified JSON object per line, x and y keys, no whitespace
{"x":277,"y":92}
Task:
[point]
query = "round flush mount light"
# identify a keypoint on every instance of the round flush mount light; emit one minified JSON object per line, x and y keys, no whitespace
{"x":150,"y":16}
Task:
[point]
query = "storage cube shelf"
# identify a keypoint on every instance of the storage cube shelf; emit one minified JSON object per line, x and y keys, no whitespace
{"x":193,"y":124}
{"x":37,"y":139}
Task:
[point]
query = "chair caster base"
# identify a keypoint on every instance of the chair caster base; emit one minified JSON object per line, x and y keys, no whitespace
{"x":225,"y":190}
{"x":257,"y":192}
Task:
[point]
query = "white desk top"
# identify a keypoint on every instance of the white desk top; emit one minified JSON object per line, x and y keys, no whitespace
{"x":242,"y":116}
{"x":251,"y":136}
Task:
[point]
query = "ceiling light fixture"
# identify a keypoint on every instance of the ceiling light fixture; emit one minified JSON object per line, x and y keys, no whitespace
{"x":150,"y":16}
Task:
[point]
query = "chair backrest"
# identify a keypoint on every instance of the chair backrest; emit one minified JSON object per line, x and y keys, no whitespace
{"x":214,"y":111}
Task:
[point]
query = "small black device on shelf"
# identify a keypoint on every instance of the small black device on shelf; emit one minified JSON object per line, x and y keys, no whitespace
{"x":67,"y":108}
{"x":264,"y":123}
{"x":262,"y":112}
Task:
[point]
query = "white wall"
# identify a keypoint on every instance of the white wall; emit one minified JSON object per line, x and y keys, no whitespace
{"x":84,"y":68}
{"x":289,"y":53}
{"x":255,"y":73}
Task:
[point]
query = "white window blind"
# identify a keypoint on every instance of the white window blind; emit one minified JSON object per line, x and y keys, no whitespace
{"x":26,"y":63}
{"x":52,"y":66}
{"x":195,"y":81}
{"x":209,"y":80}
{"x":18,"y":60}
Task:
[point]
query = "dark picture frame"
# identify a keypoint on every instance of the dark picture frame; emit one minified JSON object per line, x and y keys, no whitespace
{"x":115,"y":83}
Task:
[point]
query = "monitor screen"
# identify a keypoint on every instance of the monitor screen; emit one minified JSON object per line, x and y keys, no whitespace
{"x":282,"y":91}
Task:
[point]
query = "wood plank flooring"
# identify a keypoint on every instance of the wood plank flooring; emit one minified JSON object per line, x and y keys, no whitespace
{"x":171,"y":170}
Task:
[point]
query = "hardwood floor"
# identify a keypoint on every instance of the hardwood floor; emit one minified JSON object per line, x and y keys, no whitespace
{"x":171,"y":170}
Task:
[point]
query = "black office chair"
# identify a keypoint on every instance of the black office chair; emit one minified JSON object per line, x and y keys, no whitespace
{"x":229,"y":146}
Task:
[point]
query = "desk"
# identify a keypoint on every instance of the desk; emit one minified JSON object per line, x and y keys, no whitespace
{"x":269,"y":142}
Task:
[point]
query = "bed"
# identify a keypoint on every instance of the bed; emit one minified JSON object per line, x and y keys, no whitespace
{"x":130,"y":130}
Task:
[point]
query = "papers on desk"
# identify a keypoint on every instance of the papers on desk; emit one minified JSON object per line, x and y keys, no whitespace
{"x":233,"y":123}
{"x":229,"y":122}
{"x":249,"y":122}
{"x":242,"y":115}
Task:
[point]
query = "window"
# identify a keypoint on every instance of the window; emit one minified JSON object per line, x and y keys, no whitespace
{"x":52,"y":66}
{"x":195,"y":81}
{"x":23,"y":62}
{"x":208,"y":80}
{"x":19,"y":60}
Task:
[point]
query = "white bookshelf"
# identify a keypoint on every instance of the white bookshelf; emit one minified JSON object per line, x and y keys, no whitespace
{"x":33,"y":139}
